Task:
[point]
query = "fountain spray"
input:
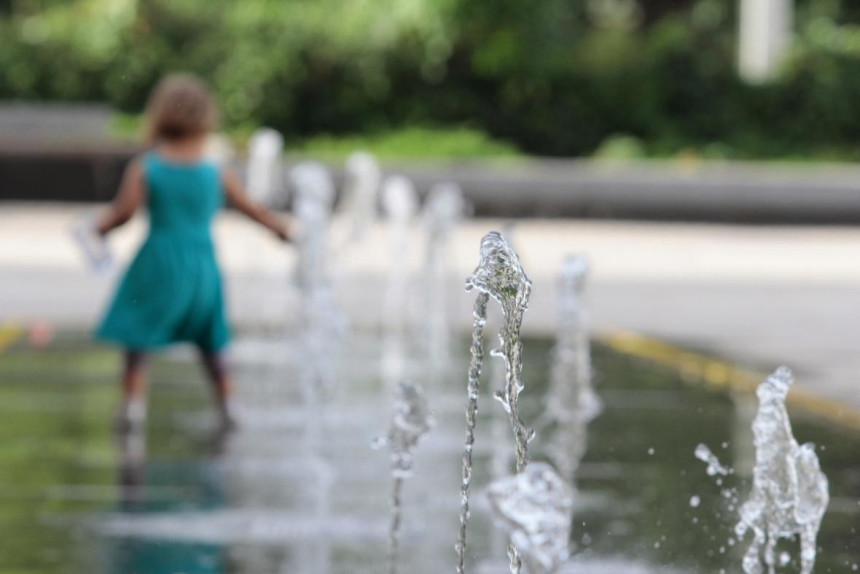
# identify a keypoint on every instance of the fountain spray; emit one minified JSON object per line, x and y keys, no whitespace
{"x":534,"y":507}
{"x":571,"y":402}
{"x":321,"y":321}
{"x":411,"y":419}
{"x":790,"y":492}
{"x":263,"y":178}
{"x":499,"y":275}
{"x":443,"y":210}
{"x":400,"y":203}
{"x":360,"y":193}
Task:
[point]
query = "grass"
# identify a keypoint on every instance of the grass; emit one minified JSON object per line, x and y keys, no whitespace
{"x":412,"y":143}
{"x":126,"y":127}
{"x":463,"y":143}
{"x":409,"y":143}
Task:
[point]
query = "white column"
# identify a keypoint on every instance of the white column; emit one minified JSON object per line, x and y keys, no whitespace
{"x":765,"y":37}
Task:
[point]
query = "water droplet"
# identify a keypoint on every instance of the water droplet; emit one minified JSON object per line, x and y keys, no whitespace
{"x":586,"y":539}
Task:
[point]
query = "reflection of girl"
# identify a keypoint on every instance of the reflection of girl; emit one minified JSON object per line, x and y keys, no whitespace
{"x":171,"y":488}
{"x":172,"y":291}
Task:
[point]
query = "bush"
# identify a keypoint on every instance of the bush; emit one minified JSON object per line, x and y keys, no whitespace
{"x":409,"y":143}
{"x":552,"y":77}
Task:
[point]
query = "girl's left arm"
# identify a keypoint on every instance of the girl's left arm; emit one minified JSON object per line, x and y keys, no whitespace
{"x":237,"y":198}
{"x":132,"y":191}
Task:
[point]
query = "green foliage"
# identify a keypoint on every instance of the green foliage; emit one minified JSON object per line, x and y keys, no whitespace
{"x":408,"y":143}
{"x":554,"y":77}
{"x":621,"y":147}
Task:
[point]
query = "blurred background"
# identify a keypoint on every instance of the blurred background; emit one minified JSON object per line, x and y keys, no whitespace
{"x":698,"y":155}
{"x":715,"y":79}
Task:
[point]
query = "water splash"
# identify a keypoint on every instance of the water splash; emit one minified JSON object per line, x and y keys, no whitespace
{"x":789,"y":493}
{"x":264,"y":166}
{"x":411,"y":419}
{"x":571,"y":402}
{"x":704,"y":454}
{"x":535,"y":508}
{"x":499,"y":275}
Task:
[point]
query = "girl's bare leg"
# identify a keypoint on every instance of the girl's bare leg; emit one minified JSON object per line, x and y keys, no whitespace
{"x":219,"y":376}
{"x":132,"y":413}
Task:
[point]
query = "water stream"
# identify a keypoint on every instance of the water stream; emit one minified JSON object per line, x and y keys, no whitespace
{"x":360,"y":193}
{"x":571,"y":403}
{"x":411,"y":419}
{"x":400,"y":204}
{"x":499,"y":275}
{"x":263,"y":178}
{"x":443,"y":210}
{"x":322,"y":324}
{"x":473,"y":386}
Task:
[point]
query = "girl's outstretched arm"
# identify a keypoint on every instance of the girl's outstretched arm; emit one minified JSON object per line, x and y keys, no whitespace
{"x":237,"y":198}
{"x":132,"y":191}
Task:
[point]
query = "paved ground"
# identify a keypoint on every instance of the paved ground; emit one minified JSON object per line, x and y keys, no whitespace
{"x":761,"y":296}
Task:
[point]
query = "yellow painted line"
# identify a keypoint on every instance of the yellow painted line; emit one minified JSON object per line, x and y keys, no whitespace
{"x":9,"y":333}
{"x":717,"y":374}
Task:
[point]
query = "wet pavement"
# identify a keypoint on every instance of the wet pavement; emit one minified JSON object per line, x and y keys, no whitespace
{"x":758,"y":296}
{"x":271,"y":497}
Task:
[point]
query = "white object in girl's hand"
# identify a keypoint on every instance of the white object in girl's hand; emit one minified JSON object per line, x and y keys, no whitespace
{"x":93,"y":245}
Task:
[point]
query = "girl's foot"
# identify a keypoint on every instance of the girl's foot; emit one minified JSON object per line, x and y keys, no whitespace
{"x":131,"y":416}
{"x":229,"y":414}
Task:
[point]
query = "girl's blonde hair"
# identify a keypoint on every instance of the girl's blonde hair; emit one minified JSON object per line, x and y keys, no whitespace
{"x":181,"y":106}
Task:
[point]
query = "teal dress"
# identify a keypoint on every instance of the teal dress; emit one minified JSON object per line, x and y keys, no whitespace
{"x":172,"y":291}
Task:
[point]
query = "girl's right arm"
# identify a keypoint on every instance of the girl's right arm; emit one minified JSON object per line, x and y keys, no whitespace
{"x":132,"y":191}
{"x":237,"y":198}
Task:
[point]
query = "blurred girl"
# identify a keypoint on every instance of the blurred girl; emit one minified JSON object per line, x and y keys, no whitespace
{"x":172,"y":290}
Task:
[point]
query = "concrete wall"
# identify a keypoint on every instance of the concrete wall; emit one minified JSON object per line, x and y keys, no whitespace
{"x":671,"y":191}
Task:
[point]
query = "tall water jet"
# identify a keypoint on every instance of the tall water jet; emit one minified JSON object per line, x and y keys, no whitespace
{"x":266,"y":186}
{"x":400,"y":202}
{"x":790,"y":493}
{"x":534,"y":507}
{"x":321,"y":322}
{"x":263,"y":176}
{"x":443,"y":210}
{"x":571,"y":403}
{"x":362,"y":177}
{"x":411,"y":419}
{"x":322,"y":327}
{"x":499,"y":275}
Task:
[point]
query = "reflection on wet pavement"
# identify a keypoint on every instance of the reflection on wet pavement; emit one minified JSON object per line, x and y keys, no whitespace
{"x":74,"y":497}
